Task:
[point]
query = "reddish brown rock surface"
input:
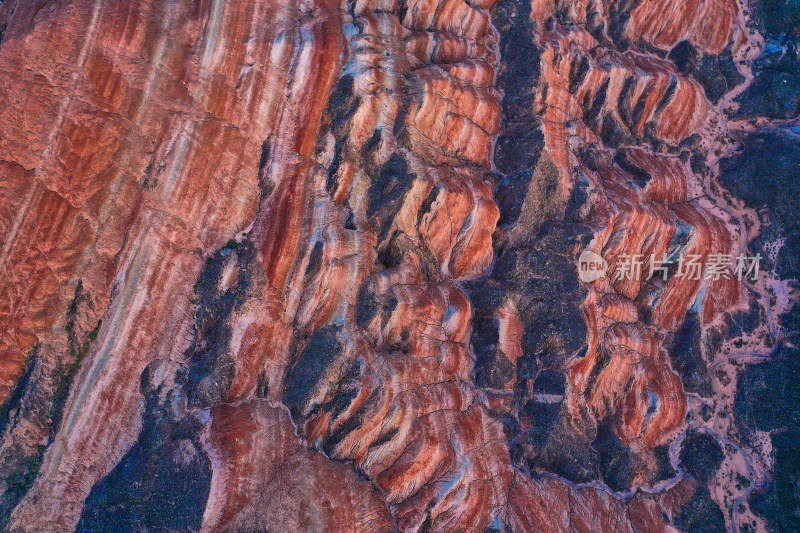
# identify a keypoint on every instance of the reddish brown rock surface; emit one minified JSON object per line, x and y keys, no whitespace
{"x":274,"y":265}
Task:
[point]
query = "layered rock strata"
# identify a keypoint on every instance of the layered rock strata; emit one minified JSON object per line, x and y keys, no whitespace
{"x":312,"y":266}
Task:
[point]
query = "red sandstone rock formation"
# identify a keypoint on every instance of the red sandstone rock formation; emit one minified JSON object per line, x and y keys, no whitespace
{"x":326,"y":363}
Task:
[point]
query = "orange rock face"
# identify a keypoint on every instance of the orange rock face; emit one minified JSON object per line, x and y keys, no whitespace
{"x":312,"y":266}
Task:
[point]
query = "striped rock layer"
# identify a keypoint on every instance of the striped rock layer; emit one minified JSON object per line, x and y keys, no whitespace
{"x":310,"y":265}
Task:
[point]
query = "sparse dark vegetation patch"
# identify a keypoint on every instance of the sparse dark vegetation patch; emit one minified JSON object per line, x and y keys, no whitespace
{"x":779,"y":504}
{"x":778,"y":18}
{"x":701,"y":455}
{"x":775,"y":91}
{"x":521,"y":140}
{"x":19,"y":481}
{"x":163,"y":482}
{"x":387,"y":191}
{"x":665,"y":470}
{"x":768,"y":399}
{"x":321,"y":350}
{"x":70,"y":363}
{"x":640,"y":176}
{"x":716,"y":73}
{"x":13,"y":402}
{"x":766,"y":175}
{"x":701,"y":515}
{"x":687,"y":358}
{"x":614,"y":457}
{"x":211,"y":366}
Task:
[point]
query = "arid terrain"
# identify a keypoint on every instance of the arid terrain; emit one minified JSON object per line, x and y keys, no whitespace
{"x":313,"y":266}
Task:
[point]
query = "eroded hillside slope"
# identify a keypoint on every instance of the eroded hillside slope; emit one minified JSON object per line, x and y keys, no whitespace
{"x":308,"y":265}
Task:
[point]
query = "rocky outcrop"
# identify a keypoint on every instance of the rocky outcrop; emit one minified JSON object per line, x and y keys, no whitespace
{"x":312,"y":266}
